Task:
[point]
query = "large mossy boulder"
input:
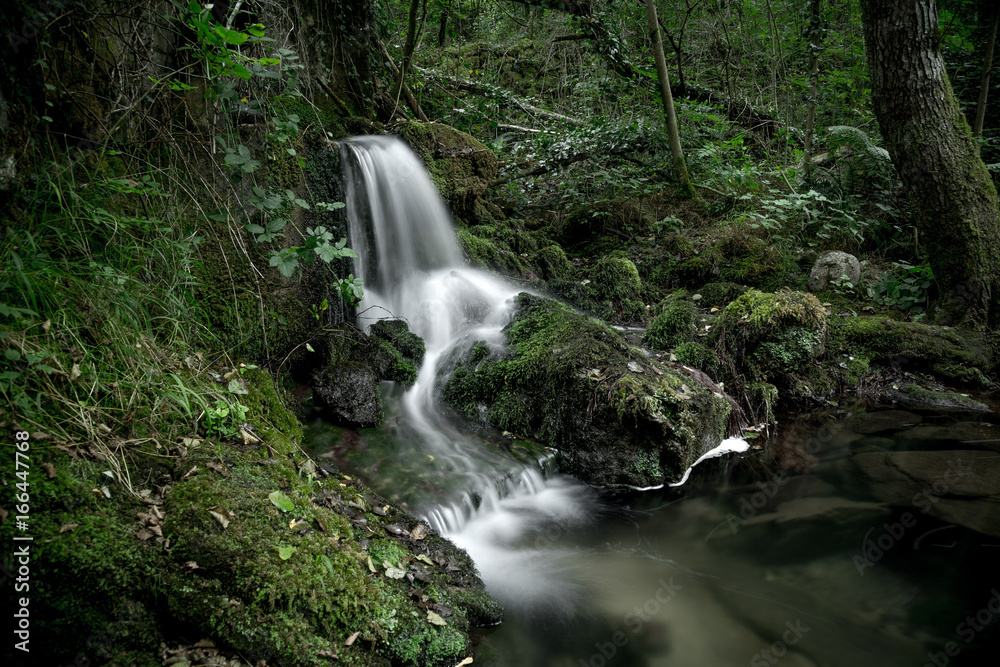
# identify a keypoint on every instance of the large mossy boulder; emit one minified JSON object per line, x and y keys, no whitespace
{"x":775,"y":339}
{"x":235,"y":539}
{"x":953,"y":355}
{"x":673,"y":325}
{"x":460,"y":166}
{"x":616,"y":416}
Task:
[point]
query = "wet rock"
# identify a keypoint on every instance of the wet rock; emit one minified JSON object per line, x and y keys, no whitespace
{"x":971,"y":435}
{"x":917,"y":397}
{"x":348,"y":394}
{"x":834,"y":266}
{"x":881,"y":421}
{"x":957,"y":486}
{"x":804,"y":528}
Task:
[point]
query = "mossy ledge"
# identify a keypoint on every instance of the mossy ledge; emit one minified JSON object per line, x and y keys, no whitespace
{"x":616,"y":416}
{"x":202,"y":551}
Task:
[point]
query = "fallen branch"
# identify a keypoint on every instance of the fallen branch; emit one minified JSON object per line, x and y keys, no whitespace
{"x":540,"y":169}
{"x":493,"y":91}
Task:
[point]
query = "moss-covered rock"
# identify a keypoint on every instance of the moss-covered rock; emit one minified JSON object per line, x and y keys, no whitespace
{"x":954,"y":355}
{"x":460,"y":166}
{"x":207,"y":547}
{"x":616,"y":416}
{"x":397,"y":332}
{"x":775,"y":338}
{"x":673,"y":325}
{"x":616,"y":278}
{"x":746,"y":259}
{"x":553,"y":263}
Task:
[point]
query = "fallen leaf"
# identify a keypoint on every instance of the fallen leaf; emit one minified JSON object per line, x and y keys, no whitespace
{"x":49,"y":469}
{"x":65,"y":528}
{"x":467,"y":661}
{"x":395,"y":573}
{"x":327,"y":654}
{"x":191,"y":565}
{"x":425,"y":559}
{"x":295,"y":524}
{"x":284,"y":553}
{"x":352,"y":638}
{"x":46,"y":325}
{"x":205,"y":643}
{"x":419,"y":532}
{"x":104,"y":490}
{"x":435,"y":619}
{"x":281,"y":501}
{"x":3,"y":515}
{"x":74,"y":373}
{"x":143,"y":535}
{"x":218,"y":467}
{"x":190,"y":472}
{"x":223,"y":521}
{"x":371,"y":565}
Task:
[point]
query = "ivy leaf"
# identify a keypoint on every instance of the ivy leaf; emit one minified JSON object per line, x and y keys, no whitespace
{"x":284,"y":553}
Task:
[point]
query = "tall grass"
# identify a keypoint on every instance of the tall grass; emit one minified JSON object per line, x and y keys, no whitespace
{"x":99,"y":325}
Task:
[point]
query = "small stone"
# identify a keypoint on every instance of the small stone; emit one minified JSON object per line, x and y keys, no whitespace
{"x":834,"y":266}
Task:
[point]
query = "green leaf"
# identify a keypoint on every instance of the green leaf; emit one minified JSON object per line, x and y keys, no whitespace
{"x":12,"y":354}
{"x":286,"y":262}
{"x":255,"y":229}
{"x":284,"y":553}
{"x":236,"y":386}
{"x":281,"y":501}
{"x":277,"y":224}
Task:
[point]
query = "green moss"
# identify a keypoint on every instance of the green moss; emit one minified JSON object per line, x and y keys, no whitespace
{"x":697,"y":355}
{"x":460,"y":166}
{"x":747,"y":259}
{"x":673,"y":325}
{"x":616,"y":278}
{"x":952,"y":354}
{"x":774,"y":338}
{"x":571,"y":382}
{"x":398,"y":334}
{"x":487,"y":254}
{"x":228,"y":582}
{"x":553,"y":263}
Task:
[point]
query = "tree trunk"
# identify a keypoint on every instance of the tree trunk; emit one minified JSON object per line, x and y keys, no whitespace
{"x":673,"y":135}
{"x":984,"y":83}
{"x":815,"y":36}
{"x":411,"y":38}
{"x":932,"y":146}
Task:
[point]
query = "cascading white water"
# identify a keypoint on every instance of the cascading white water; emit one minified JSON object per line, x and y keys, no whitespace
{"x":506,"y":514}
{"x":410,"y":261}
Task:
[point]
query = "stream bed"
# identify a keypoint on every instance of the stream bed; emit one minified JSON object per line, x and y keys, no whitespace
{"x":868,"y":539}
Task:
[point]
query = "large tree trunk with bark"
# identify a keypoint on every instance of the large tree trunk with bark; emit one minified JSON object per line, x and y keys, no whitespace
{"x":931,"y":144}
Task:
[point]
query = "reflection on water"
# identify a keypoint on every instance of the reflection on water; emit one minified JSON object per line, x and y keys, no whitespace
{"x":871,"y":541}
{"x":832,"y":553}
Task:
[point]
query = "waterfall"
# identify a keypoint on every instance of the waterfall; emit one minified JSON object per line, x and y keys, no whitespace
{"x":410,"y":261}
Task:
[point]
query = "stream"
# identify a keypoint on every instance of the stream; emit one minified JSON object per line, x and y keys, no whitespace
{"x":857,"y":538}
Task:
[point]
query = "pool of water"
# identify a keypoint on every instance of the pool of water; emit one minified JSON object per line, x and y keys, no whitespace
{"x":864,"y":539}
